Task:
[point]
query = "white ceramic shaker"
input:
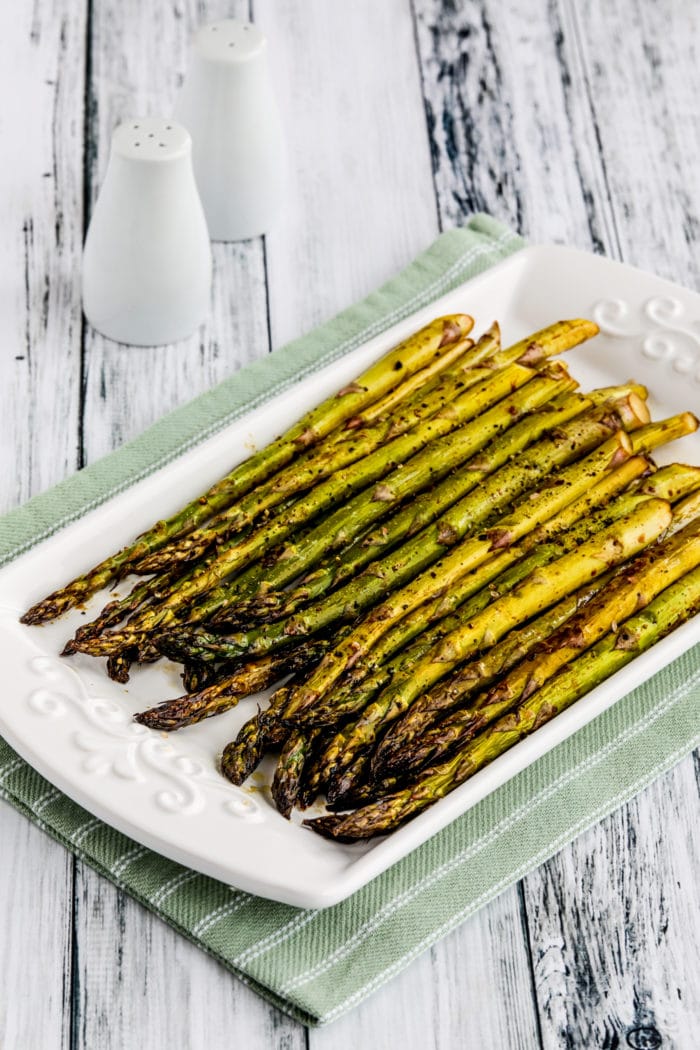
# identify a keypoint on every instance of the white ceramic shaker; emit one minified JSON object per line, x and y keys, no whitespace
{"x":147,"y":258}
{"x":228,"y":106}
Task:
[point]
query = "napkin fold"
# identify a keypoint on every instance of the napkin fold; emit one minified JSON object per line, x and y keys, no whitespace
{"x":315,"y":965}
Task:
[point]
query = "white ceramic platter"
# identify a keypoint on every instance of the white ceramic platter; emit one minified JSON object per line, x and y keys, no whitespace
{"x":74,"y":725}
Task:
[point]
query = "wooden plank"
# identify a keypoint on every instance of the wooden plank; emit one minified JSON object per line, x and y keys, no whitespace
{"x":483,"y":981}
{"x":615,"y":926}
{"x":641,"y":73}
{"x":137,"y":975}
{"x":507,"y":136}
{"x":401,"y":1014}
{"x":41,"y":218}
{"x":35,"y":947}
{"x":360,"y":201}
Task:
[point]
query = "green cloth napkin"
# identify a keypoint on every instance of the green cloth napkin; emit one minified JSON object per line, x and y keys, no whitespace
{"x":315,"y":965}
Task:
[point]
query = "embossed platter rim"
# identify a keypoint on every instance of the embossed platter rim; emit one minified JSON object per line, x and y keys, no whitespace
{"x":74,"y":725}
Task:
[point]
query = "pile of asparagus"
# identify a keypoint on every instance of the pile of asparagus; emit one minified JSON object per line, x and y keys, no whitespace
{"x":430,"y":565}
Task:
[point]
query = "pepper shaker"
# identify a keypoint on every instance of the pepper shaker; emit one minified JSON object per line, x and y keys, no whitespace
{"x":147,"y":257}
{"x":228,"y":106}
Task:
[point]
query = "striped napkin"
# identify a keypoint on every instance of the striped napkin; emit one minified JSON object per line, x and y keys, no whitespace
{"x":316,"y":965}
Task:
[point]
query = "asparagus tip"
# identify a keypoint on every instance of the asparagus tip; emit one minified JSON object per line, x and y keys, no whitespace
{"x":330,"y":827}
{"x":42,"y":612}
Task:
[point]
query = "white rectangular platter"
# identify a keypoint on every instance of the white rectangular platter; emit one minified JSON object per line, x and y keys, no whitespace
{"x":74,"y":725}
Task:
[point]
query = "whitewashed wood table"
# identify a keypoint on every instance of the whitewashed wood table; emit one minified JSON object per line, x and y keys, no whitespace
{"x":575,"y":123}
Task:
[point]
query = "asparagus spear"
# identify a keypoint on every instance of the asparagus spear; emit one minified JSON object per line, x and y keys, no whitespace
{"x":674,"y":482}
{"x":489,"y":342}
{"x":266,"y":607}
{"x":537,"y":548}
{"x":286,"y":782}
{"x":419,"y":553}
{"x":536,"y":508}
{"x":655,"y":434}
{"x":197,"y":675}
{"x":241,"y":756}
{"x":228,"y":690}
{"x":671,"y":483}
{"x":360,"y":686}
{"x":674,"y":605}
{"x":604,"y":393}
{"x":687,"y":510}
{"x":470,"y":595}
{"x":320,"y":463}
{"x":370,"y":506}
{"x":411,"y":730}
{"x":403,"y":360}
{"x":545,"y":587}
{"x":235,"y":554}
{"x":632,"y":589}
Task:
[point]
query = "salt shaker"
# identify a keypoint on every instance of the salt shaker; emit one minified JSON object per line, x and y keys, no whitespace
{"x":147,"y":258}
{"x":228,"y":106}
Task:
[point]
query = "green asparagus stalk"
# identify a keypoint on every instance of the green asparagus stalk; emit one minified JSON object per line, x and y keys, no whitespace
{"x":197,"y":676}
{"x":550,"y":584}
{"x":416,"y":556}
{"x":371,"y":506}
{"x":554,"y":339}
{"x":414,"y":635}
{"x":687,"y":510}
{"x":359,"y":686}
{"x":403,"y":360}
{"x":235,"y":555}
{"x":655,"y":434}
{"x":604,"y":393}
{"x":632,"y":589}
{"x":673,"y":606}
{"x":289,"y":771}
{"x":225,"y":693}
{"x":242,"y":755}
{"x":410,"y":730}
{"x":536,"y":508}
{"x":320,"y":463}
{"x":671,"y":483}
{"x":267,"y":607}
{"x":489,"y":342}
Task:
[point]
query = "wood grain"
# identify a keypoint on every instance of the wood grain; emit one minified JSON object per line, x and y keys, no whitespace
{"x":615,"y":925}
{"x":510,"y":131}
{"x":360,"y":202}
{"x":139,"y":976}
{"x":642,"y":80}
{"x":41,"y":219}
{"x":36,"y":943}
